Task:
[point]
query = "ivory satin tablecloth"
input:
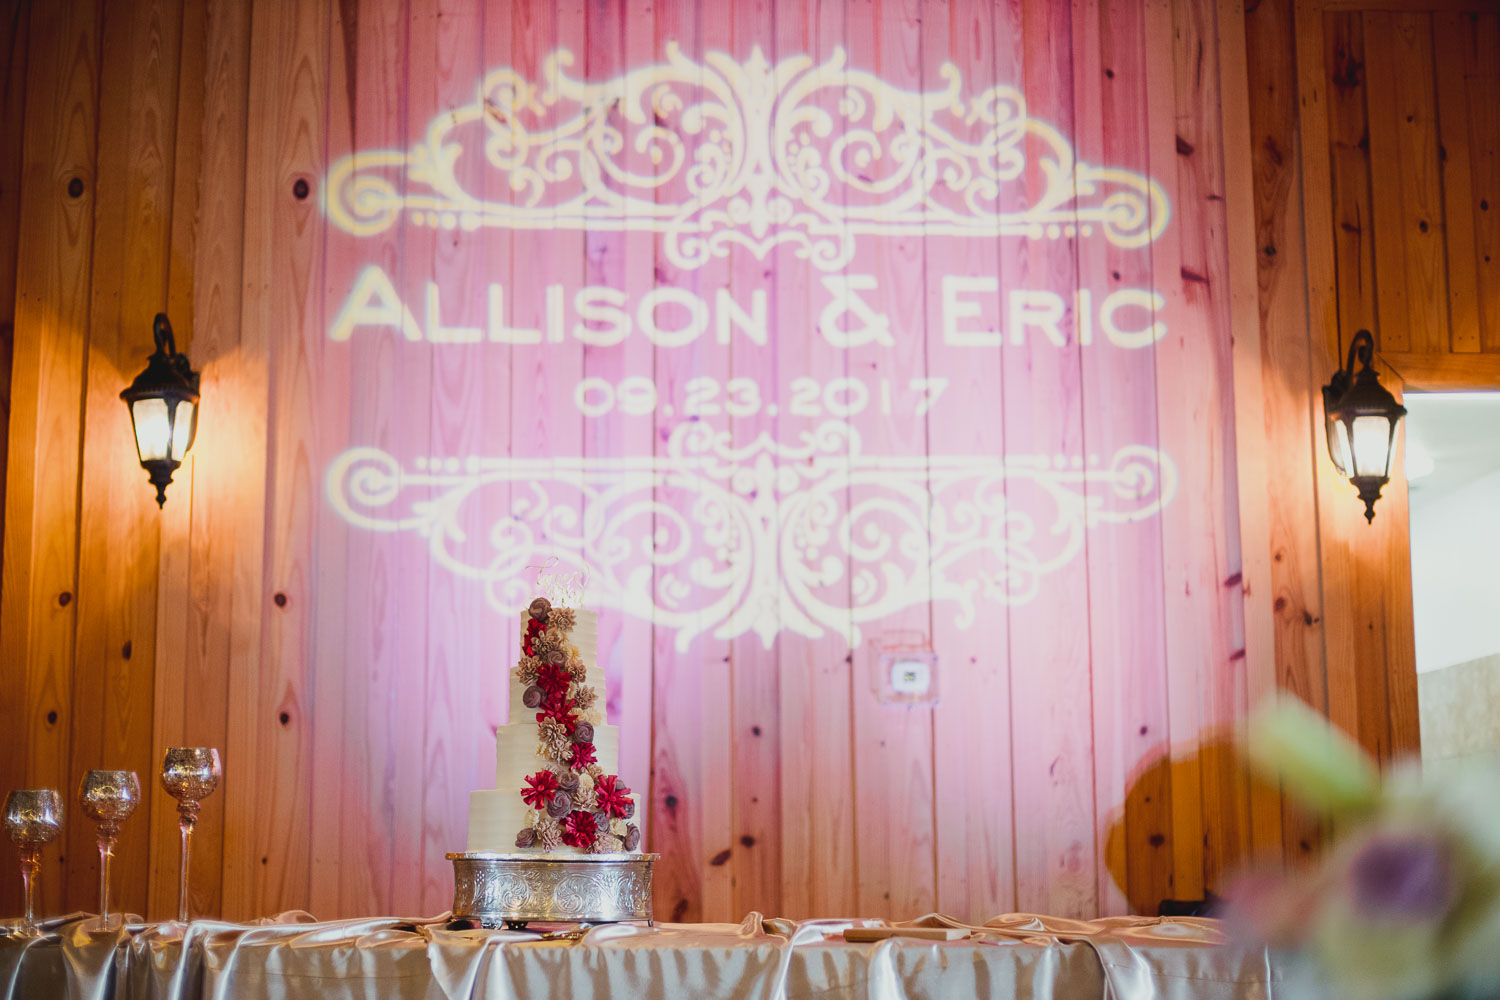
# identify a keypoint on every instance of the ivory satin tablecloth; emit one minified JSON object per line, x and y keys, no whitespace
{"x":291,"y":956}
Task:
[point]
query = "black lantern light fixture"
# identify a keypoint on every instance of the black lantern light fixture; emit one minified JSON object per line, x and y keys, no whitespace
{"x":1361,"y":417}
{"x":163,"y":403}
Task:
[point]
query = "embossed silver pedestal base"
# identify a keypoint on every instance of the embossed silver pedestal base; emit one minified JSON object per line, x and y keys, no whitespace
{"x":494,"y":889}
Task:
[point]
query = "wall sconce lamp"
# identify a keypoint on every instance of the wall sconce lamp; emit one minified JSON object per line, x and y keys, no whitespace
{"x":163,"y":403}
{"x":1361,"y":417}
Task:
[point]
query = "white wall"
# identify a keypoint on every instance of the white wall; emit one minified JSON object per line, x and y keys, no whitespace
{"x":1455,"y":569}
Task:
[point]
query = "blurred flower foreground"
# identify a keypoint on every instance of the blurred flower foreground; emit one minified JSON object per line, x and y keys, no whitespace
{"x":1405,"y":904}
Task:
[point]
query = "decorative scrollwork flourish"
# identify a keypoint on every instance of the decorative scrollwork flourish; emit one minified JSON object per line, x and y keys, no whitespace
{"x":723,"y":153}
{"x":713,"y":538}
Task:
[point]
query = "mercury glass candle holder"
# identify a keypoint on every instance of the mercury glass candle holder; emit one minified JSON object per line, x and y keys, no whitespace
{"x":190,"y":775}
{"x":108,"y":798}
{"x":33,"y":819}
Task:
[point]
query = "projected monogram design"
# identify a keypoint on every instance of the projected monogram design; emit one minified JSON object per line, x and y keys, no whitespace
{"x":719,"y":154}
{"x":713,"y":538}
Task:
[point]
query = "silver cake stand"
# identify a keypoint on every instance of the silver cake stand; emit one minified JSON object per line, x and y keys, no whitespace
{"x":492,"y":889}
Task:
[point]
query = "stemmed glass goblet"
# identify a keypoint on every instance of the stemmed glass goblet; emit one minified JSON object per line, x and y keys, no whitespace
{"x":108,"y":798}
{"x":190,"y":775}
{"x":33,"y":818}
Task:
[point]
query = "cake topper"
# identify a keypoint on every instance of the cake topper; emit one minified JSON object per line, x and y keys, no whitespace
{"x":564,"y":589}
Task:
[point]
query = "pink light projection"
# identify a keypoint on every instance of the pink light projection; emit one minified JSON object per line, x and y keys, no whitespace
{"x":719,"y":320}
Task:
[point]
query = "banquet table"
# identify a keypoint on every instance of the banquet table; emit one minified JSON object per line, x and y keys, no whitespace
{"x":293,"y":956}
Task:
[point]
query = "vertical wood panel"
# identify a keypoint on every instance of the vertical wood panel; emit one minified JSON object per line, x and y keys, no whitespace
{"x":1385,"y":186}
{"x":756,"y":780}
{"x":269,"y":828}
{"x":1294,"y":593}
{"x":1127,"y":630}
{"x":463,"y":637}
{"x":1052,"y":732}
{"x":1398,"y":639}
{"x":1353,"y":591}
{"x":975,"y":842}
{"x":620,"y":39}
{"x":1180,"y":413}
{"x":1455,"y":164}
{"x":500,"y":373}
{"x":1194,"y":374}
{"x":712,"y":773}
{"x":690,"y":811}
{"x":399,"y":413}
{"x":1339,"y":529}
{"x":1482,"y":87}
{"x":173,"y":685}
{"x":892,"y":762}
{"x":1251,"y":459}
{"x":370,"y":707}
{"x":37,"y":610}
{"x":1404,"y":159}
{"x":15,"y":15}
{"x":195,"y":633}
{"x":119,"y":526}
{"x":818,"y":818}
{"x":1353,"y":229}
{"x":1357,"y":606}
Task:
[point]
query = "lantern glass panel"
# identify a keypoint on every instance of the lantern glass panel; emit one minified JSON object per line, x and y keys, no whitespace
{"x":184,"y":428}
{"x":153,"y":428}
{"x":1338,"y":446}
{"x":1372,"y":446}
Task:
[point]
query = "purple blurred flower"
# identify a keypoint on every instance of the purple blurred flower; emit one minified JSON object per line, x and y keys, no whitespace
{"x":1402,"y":876}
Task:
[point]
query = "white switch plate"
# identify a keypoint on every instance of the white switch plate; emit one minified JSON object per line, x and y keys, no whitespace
{"x":907,"y":677}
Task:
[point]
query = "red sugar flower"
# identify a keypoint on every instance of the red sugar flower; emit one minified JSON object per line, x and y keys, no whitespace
{"x":560,"y":708}
{"x":552,"y":679}
{"x":578,"y":829}
{"x":533,"y":629}
{"x":610,"y":793}
{"x":583,"y":756}
{"x":540,"y":787}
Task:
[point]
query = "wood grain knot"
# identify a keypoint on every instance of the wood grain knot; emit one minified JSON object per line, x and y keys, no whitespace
{"x":671,"y":801}
{"x":75,"y":187}
{"x":64,"y":599}
{"x":300,"y":189}
{"x":284,"y":718}
{"x":52,"y":718}
{"x":280,"y":599}
{"x":720,"y":858}
{"x":747,"y":841}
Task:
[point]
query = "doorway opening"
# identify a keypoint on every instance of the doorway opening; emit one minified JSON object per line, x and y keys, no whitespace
{"x":1453,"y":470}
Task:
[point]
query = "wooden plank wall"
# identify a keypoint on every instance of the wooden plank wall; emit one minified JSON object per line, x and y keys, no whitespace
{"x":1373,"y":147}
{"x":354,"y":684}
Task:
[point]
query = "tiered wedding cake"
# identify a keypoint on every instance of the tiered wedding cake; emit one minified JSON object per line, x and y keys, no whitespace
{"x":556,"y":789}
